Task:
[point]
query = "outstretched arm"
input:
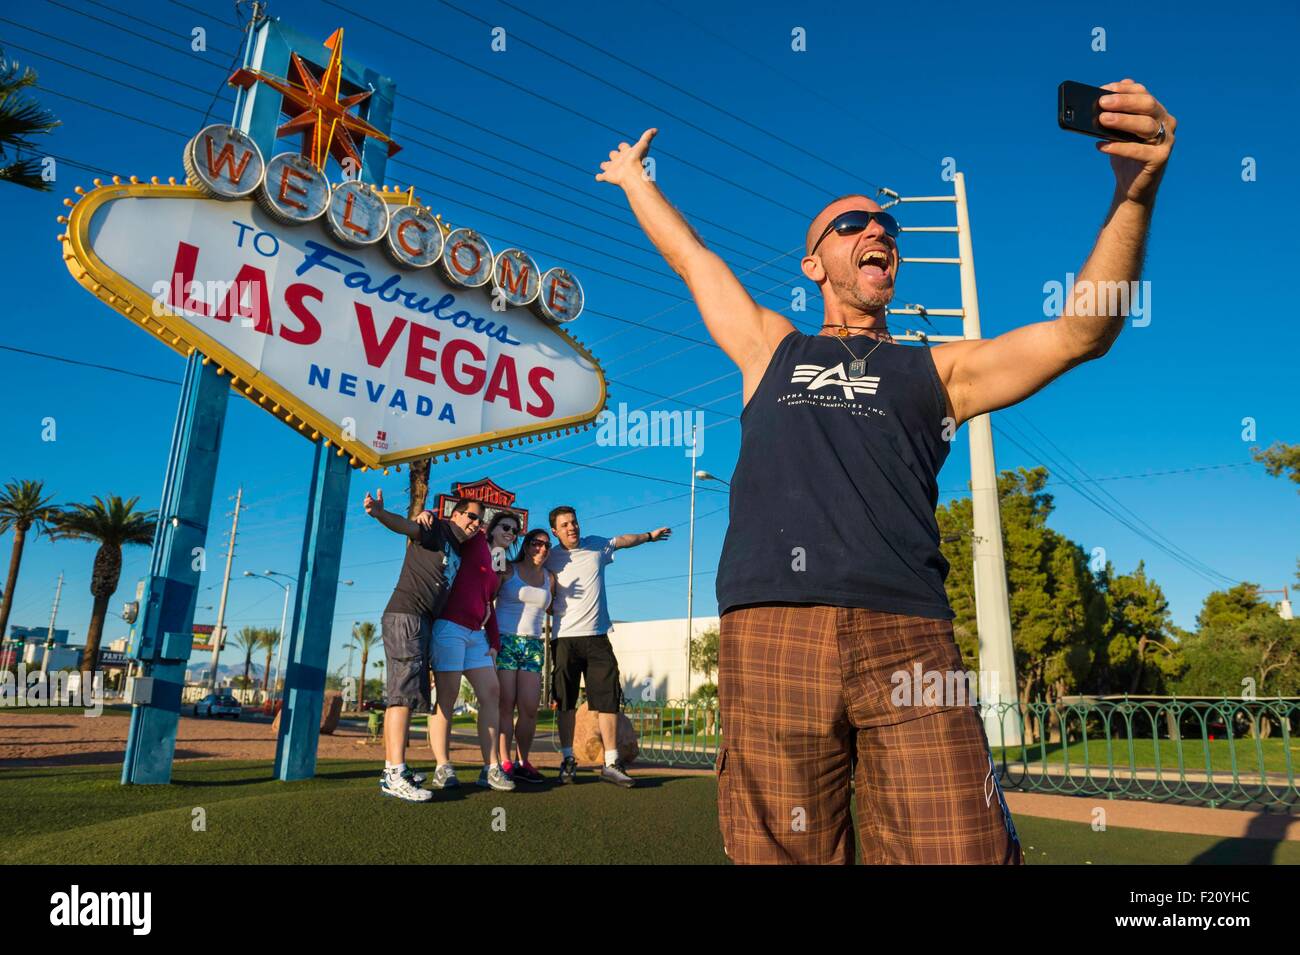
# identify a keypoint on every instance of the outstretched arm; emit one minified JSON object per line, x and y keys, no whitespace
{"x":635,"y":540}
{"x":400,"y":525}
{"x":746,"y":331}
{"x":989,"y":374}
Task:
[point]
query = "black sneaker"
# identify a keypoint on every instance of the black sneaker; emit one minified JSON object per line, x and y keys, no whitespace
{"x":525,"y":772}
{"x":617,"y":774}
{"x":568,"y":769}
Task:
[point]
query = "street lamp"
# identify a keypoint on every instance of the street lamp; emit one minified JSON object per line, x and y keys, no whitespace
{"x":690,"y":562}
{"x":284,"y":615}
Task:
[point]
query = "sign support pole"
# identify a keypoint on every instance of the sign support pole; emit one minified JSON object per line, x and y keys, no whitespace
{"x":313,"y":616}
{"x":164,"y":634}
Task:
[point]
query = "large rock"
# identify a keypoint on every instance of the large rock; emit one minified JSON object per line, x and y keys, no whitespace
{"x":330,"y":711}
{"x":588,"y":747}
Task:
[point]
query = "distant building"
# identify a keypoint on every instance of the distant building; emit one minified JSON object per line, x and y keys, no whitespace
{"x":62,"y":657}
{"x":652,"y":657}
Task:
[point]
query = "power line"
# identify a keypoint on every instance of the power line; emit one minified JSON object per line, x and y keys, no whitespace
{"x":874,"y":125}
{"x":685,"y":92}
{"x":1092,"y":499}
{"x":712,"y":174}
{"x":497,"y":135}
{"x":642,"y":100}
{"x":1138,"y":519}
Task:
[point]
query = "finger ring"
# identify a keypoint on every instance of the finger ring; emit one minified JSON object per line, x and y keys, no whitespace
{"x":1159,"y":137}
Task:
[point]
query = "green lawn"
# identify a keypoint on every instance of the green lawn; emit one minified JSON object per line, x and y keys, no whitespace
{"x":1144,"y":754}
{"x":82,"y":815}
{"x":109,"y":710}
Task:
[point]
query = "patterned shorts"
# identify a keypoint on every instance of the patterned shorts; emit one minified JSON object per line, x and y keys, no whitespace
{"x":809,"y":703}
{"x":520,"y":652}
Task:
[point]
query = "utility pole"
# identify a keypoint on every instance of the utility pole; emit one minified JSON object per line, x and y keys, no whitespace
{"x":225,"y":590}
{"x":993,"y":608}
{"x":690,"y":573}
{"x":49,"y":638}
{"x":1002,"y":719}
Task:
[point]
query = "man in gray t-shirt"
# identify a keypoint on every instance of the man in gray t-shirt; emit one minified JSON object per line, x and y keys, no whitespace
{"x":582,"y":648}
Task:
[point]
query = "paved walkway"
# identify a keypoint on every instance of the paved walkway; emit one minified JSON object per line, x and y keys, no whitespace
{"x":1160,"y":817}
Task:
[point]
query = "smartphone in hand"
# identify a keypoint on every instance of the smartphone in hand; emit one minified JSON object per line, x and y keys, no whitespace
{"x":1077,"y":111}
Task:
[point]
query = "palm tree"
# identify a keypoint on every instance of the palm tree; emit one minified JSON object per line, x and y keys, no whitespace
{"x":248,"y":640}
{"x":270,"y":639}
{"x":364,"y":637}
{"x":418,"y":481}
{"x":20,"y":118}
{"x":23,"y":505}
{"x":114,"y":524}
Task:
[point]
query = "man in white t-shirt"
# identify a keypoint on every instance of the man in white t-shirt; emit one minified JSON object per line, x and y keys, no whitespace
{"x":582,"y":648}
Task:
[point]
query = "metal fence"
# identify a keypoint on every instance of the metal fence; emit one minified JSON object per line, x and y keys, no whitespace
{"x":1225,"y":752}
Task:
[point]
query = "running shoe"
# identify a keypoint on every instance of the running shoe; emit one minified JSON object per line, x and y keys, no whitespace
{"x":568,"y":769}
{"x":394,"y":785}
{"x":444,"y":777}
{"x":494,"y":777}
{"x":617,"y":774}
{"x":526,"y":772}
{"x":417,"y":778}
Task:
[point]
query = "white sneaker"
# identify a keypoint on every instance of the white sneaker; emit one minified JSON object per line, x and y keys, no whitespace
{"x":444,"y":777}
{"x":391,"y":784}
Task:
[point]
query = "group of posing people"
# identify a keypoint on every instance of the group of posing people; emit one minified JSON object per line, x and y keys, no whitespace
{"x":464,"y":607}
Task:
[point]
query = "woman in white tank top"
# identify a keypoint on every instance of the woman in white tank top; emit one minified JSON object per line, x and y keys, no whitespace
{"x":522,"y":606}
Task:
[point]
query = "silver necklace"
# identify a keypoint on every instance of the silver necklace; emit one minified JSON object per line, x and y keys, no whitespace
{"x":858,"y":367}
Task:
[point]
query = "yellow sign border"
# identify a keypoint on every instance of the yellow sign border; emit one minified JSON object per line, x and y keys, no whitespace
{"x":184,"y":338}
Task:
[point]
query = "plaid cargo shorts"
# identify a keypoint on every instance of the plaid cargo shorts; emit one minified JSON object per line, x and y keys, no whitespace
{"x":810,"y":699}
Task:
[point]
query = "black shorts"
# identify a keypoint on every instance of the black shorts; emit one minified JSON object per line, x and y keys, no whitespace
{"x":591,"y":658}
{"x":406,"y":645}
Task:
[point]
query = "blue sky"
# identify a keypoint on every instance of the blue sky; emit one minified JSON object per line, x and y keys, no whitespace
{"x":876,"y":99}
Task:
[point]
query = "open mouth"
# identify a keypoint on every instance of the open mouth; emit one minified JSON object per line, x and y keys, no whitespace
{"x":875,"y":263}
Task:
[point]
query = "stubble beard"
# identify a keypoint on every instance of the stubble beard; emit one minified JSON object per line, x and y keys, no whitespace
{"x":851,"y":293}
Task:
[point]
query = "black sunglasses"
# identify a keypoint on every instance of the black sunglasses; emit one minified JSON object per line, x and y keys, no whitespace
{"x":854,"y":221}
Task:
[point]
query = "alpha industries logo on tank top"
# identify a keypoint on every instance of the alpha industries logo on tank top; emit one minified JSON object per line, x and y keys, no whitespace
{"x":829,"y":386}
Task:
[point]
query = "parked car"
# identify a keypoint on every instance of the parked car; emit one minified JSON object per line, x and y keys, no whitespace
{"x":218,"y":704}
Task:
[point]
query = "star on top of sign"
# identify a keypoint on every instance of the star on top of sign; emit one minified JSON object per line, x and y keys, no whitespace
{"x":316,"y":109}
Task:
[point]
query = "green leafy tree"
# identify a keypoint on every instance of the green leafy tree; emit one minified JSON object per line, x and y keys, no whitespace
{"x":24,"y":507}
{"x":365,"y":637}
{"x":249,"y":639}
{"x":21,"y":118}
{"x":1057,"y":611}
{"x":114,"y":524}
{"x":270,"y":640}
{"x":704,"y":652}
{"x":1225,"y":609}
{"x":1141,"y":653}
{"x":1279,"y":459}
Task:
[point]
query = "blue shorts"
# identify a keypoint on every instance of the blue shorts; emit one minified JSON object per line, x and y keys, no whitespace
{"x":459,"y":648}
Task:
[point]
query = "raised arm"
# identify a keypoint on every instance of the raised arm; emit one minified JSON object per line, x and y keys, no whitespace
{"x":989,"y":374}
{"x":400,"y":525}
{"x":746,"y":331}
{"x":645,"y":537}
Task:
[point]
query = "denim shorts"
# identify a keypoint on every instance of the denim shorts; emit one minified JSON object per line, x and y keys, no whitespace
{"x":406,"y":645}
{"x":459,"y":648}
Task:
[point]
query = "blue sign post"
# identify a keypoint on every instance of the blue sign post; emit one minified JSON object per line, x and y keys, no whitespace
{"x":162,"y":639}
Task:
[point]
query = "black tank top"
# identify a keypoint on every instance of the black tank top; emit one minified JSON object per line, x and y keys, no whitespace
{"x":833,"y":497}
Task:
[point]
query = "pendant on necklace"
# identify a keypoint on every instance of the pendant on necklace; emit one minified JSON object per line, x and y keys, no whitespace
{"x":858,"y":368}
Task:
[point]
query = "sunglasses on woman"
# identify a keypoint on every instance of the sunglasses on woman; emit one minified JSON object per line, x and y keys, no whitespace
{"x":856,"y":220}
{"x":539,"y":543}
